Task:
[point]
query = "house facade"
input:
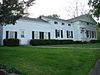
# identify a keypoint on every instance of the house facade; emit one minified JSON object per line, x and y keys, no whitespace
{"x":82,"y":28}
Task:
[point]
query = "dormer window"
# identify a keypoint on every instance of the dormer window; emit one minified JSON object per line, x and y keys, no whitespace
{"x":69,"y":24}
{"x":63,"y":23}
{"x":55,"y":22}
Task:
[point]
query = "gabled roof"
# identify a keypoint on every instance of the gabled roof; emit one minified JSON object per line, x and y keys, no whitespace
{"x":85,"y":18}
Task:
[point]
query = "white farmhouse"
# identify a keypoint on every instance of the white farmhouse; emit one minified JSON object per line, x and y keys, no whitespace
{"x":82,"y":28}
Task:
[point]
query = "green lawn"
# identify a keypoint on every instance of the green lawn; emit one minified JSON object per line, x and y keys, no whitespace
{"x":50,"y":61}
{"x":95,"y":45}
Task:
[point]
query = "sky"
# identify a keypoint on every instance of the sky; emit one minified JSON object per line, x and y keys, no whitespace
{"x":49,"y":7}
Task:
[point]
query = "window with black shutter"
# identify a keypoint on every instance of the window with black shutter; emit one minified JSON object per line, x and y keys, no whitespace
{"x":41,"y":35}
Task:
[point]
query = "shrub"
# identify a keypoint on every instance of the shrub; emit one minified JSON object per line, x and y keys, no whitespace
{"x":50,"y":42}
{"x":78,"y":42}
{"x":11,"y":42}
{"x":94,"y":41}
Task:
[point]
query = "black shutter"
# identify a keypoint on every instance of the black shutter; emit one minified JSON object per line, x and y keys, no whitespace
{"x":61,"y":33}
{"x":71,"y":34}
{"x":67,"y":34}
{"x":15,"y":35}
{"x":7,"y":34}
{"x":48,"y":35}
{"x":56,"y":33}
{"x":32,"y":34}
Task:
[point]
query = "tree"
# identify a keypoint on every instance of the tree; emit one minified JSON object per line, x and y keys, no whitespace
{"x":12,"y":10}
{"x":95,"y":4}
{"x":54,"y":16}
{"x":76,"y":8}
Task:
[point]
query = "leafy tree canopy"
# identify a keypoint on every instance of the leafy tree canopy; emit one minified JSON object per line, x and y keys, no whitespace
{"x":12,"y":10}
{"x":95,"y":7}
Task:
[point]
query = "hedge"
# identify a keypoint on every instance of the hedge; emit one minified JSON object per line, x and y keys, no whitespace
{"x":11,"y":42}
{"x":94,"y":41}
{"x":50,"y":42}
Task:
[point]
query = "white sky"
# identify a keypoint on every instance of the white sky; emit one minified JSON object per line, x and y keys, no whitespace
{"x":49,"y":7}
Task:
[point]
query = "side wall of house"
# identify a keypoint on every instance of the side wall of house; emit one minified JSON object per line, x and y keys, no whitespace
{"x":25,"y":27}
{"x":28,"y":26}
{"x":58,"y":29}
{"x":1,"y":34}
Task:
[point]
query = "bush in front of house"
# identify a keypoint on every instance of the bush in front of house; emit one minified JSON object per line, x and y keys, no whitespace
{"x":11,"y":42}
{"x":94,"y":41}
{"x":80,"y":42}
{"x":35,"y":42}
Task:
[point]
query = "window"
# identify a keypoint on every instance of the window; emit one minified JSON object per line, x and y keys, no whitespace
{"x":93,"y":34}
{"x":41,"y":35}
{"x":69,"y":34}
{"x":87,"y":33}
{"x":22,"y":34}
{"x":11,"y":34}
{"x":69,"y":24}
{"x":55,"y":22}
{"x":90,"y":34}
{"x":63,"y":23}
{"x":59,"y":33}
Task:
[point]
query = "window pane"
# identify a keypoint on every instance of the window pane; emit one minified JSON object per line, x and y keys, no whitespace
{"x":22,"y":34}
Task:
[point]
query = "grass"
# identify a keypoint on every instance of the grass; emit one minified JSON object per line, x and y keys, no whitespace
{"x":95,"y":45}
{"x":50,"y":61}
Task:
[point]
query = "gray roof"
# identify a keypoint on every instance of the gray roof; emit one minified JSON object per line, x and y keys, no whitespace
{"x":85,"y":18}
{"x":34,"y":19}
{"x":54,"y":18}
